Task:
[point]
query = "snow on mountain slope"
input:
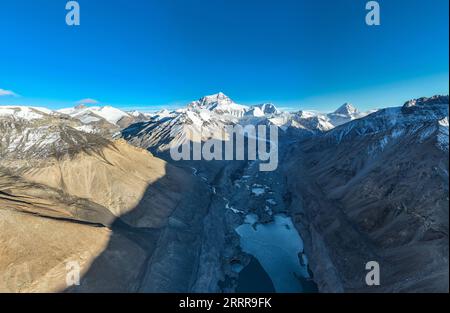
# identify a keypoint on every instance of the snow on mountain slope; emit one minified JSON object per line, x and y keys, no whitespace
{"x":40,"y":135}
{"x":282,"y":120}
{"x":29,"y":135}
{"x":268,"y":108}
{"x":111,"y":114}
{"x":426,"y":102}
{"x":380,"y":182}
{"x":255,"y":112}
{"x":219,"y":103}
{"x":137,"y":115}
{"x":442,"y":137}
{"x":178,"y":127}
{"x":345,"y":113}
{"x":199,"y":120}
{"x":94,"y":114}
{"x":390,"y":127}
{"x":313,"y":121}
{"x":61,"y":206}
{"x":261,"y":110}
{"x":24,"y":112}
{"x":346,"y":109}
{"x":210,"y":115}
{"x":162,"y":114}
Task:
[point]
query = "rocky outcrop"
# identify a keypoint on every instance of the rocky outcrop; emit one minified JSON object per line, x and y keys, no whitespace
{"x":424,"y":101}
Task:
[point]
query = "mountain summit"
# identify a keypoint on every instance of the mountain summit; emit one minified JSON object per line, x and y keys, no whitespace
{"x":216,"y":99}
{"x":424,"y":101}
{"x":212,"y":101}
{"x":219,"y":103}
{"x":346,"y":109}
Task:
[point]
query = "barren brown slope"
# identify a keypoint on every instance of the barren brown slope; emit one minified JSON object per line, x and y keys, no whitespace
{"x":104,"y":204}
{"x":117,"y":177}
{"x":42,"y":229}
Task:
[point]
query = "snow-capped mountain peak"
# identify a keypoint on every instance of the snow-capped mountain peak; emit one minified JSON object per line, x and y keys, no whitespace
{"x":218,"y":98}
{"x":93,"y":114}
{"x":417,"y":119}
{"x":134,"y":113}
{"x":24,"y":112}
{"x":219,"y":103}
{"x":424,"y":101}
{"x":267,"y":108}
{"x":346,"y":109}
{"x":313,"y":121}
{"x":212,"y":101}
{"x":344,"y":114}
{"x":80,"y":106}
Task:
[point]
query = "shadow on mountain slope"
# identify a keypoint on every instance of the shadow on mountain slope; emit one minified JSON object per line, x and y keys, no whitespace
{"x":155,"y":246}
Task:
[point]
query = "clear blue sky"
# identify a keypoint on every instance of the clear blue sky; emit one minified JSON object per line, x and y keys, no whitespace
{"x":151,"y":53}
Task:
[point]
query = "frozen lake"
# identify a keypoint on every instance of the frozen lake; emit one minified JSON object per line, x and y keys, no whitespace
{"x":277,"y":246}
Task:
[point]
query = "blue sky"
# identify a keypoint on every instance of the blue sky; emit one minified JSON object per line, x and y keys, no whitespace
{"x":148,"y":54}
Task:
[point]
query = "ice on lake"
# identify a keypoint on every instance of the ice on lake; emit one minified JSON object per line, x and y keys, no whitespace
{"x":258,"y":191}
{"x":276,"y":245}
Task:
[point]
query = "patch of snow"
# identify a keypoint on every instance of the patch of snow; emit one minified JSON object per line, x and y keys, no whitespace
{"x":4,"y":111}
{"x":258,"y":191}
{"x":255,"y":111}
{"x":88,"y":119}
{"x":219,"y":103}
{"x":111,"y":114}
{"x":383,"y":142}
{"x":228,"y":207}
{"x":93,"y":114}
{"x":443,"y":135}
{"x":85,"y":128}
{"x":134,"y":113}
{"x":23,"y":112}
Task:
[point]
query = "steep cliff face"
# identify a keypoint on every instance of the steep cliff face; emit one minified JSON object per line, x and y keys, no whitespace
{"x":376,"y":189}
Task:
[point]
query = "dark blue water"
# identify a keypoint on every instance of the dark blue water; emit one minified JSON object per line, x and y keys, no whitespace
{"x":253,"y":278}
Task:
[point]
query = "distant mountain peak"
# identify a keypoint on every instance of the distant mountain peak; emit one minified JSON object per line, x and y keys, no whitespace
{"x":220,"y":94}
{"x":424,"y":101}
{"x":267,"y":108}
{"x":217,"y":98}
{"x":80,"y":106}
{"x":219,"y":103}
{"x":346,"y":109}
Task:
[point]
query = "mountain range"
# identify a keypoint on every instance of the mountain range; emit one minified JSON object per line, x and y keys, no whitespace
{"x":96,"y":185}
